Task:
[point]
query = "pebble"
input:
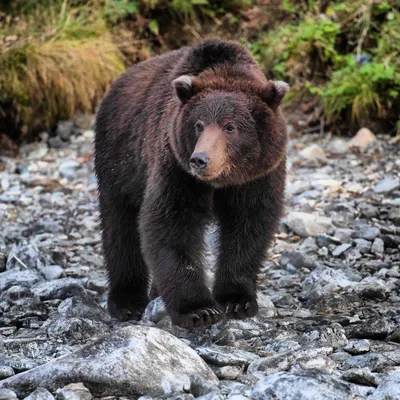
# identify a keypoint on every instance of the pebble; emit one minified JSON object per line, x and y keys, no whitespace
{"x":361,"y":376}
{"x":378,"y":247}
{"x":6,"y":371}
{"x":387,"y":186}
{"x":357,"y":346}
{"x":306,"y":225}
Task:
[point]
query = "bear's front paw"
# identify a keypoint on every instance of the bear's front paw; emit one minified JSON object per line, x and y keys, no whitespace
{"x":124,"y":306}
{"x":197,"y":318}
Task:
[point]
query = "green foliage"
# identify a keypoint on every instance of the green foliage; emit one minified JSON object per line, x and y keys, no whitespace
{"x":318,"y":49}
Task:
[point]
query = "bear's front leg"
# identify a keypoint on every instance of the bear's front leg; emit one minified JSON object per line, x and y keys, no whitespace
{"x":172,"y":222}
{"x":249,"y":216}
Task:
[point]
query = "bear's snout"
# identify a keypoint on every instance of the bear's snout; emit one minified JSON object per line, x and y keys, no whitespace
{"x":199,"y":161}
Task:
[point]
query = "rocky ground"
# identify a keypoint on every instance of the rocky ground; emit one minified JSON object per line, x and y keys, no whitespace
{"x":329,"y":325}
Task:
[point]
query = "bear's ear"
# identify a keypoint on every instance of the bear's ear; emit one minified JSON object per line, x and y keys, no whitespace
{"x":274,"y":92}
{"x":183,"y":88}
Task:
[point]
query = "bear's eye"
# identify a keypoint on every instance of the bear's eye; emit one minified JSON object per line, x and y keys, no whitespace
{"x":199,"y":126}
{"x":230,"y":128}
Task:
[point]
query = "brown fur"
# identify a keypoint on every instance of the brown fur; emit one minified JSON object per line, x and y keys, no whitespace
{"x":155,"y":202}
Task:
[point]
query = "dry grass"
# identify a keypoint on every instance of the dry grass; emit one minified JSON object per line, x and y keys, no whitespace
{"x":52,"y":71}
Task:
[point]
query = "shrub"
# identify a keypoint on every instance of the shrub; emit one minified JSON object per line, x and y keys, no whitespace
{"x":345,"y":53}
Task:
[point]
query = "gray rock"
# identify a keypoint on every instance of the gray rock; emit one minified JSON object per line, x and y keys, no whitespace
{"x":378,"y":247}
{"x":65,"y":129}
{"x":26,"y":278}
{"x":333,"y":336}
{"x":394,"y":215}
{"x":305,"y":225}
{"x":327,"y":278}
{"x":339,"y":250}
{"x":371,"y":288}
{"x":388,"y":389}
{"x":374,"y":328}
{"x":23,"y":256}
{"x":297,"y":259}
{"x":7,"y":394}
{"x":224,"y":355}
{"x":368,"y":210}
{"x":228,"y":372}
{"x":343,"y":234}
{"x":387,"y":186}
{"x":52,"y":272}
{"x":360,"y":376}
{"x":131,"y":361}
{"x":366,"y":232}
{"x":155,"y":311}
{"x":6,"y":371}
{"x":40,"y":394}
{"x":301,"y":386}
{"x":74,"y":391}
{"x":270,"y":365}
{"x":324,"y":240}
{"x":356,"y":347}
{"x":364,"y":246}
{"x":59,"y":289}
{"x":68,"y":169}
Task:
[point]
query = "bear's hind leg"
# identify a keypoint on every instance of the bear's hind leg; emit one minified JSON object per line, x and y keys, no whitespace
{"x":127,"y":271}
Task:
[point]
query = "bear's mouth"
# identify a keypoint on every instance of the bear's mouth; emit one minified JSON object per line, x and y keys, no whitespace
{"x":207,"y":175}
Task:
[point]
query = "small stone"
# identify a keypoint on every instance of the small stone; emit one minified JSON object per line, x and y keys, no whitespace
{"x":224,"y":355}
{"x":371,"y":288}
{"x":52,"y":272}
{"x":343,"y":234}
{"x":300,"y":386}
{"x":395,"y":336}
{"x":387,"y":186}
{"x":305,"y":225}
{"x":362,"y":139}
{"x":68,"y":169}
{"x":339,"y":250}
{"x":7,"y":394}
{"x":360,"y":376}
{"x":378,"y":247}
{"x":228,"y":372}
{"x":373,"y":328}
{"x":65,"y":130}
{"x":356,"y":347}
{"x":74,"y":391}
{"x":326,"y":240}
{"x":40,"y":394}
{"x":366,"y":232}
{"x":297,"y":259}
{"x":59,"y":289}
{"x":6,"y":371}
{"x":368,"y":210}
{"x":362,"y":245}
{"x":394,"y":215}
{"x":155,"y":311}
{"x":313,"y":153}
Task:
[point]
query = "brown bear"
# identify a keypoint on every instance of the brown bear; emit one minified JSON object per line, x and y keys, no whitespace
{"x":182,"y":139}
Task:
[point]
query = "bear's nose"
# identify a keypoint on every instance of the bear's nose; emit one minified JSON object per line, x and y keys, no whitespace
{"x":199,"y":161}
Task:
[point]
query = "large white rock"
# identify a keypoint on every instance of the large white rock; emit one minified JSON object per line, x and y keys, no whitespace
{"x":301,"y":386}
{"x":132,"y":361}
{"x":305,"y":225}
{"x":362,"y":139}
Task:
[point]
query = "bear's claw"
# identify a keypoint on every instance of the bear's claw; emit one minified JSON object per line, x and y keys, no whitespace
{"x":198,"y":318}
{"x":242,"y":309}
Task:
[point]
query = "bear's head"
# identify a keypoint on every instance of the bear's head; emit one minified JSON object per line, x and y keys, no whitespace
{"x":229,"y":129}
